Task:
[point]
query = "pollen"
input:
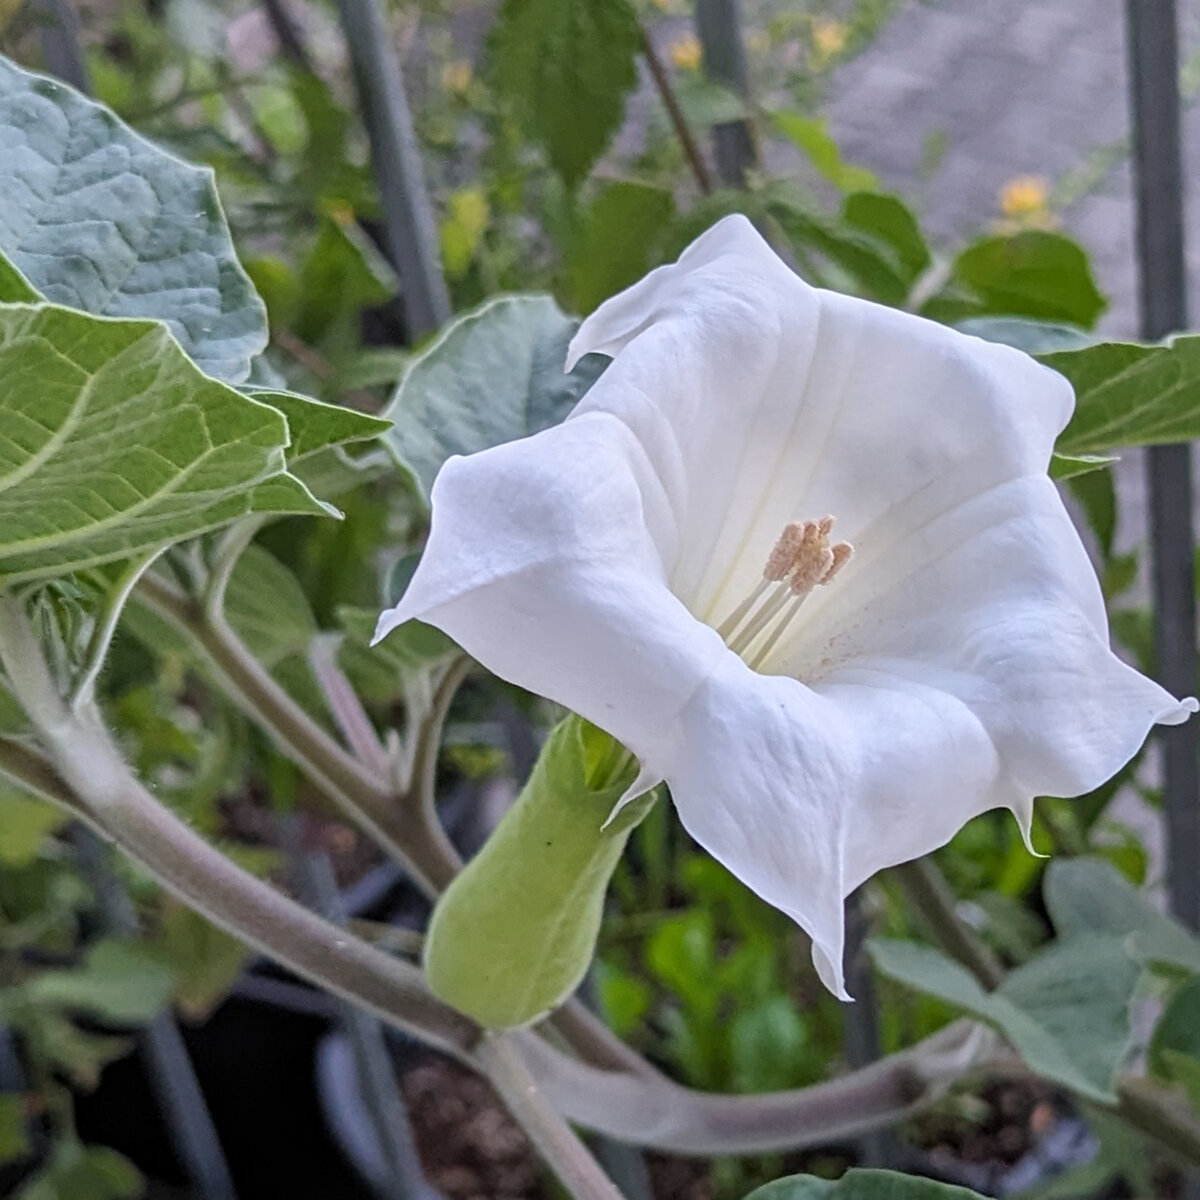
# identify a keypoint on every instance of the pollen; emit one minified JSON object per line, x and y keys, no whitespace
{"x":801,"y":559}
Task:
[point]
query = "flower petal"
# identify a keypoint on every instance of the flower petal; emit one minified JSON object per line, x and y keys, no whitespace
{"x":541,"y":563}
{"x":761,"y":400}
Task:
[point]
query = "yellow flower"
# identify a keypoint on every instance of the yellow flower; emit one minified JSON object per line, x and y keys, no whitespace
{"x":685,"y":53}
{"x":1025,"y":198}
{"x":457,"y":76}
{"x":829,"y":37}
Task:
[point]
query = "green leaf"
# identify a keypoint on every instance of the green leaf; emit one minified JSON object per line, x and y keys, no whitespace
{"x":567,"y":65}
{"x":1066,"y":1011}
{"x":25,"y":824}
{"x":512,"y":936}
{"x":1175,"y":1046}
{"x":97,"y":218}
{"x":203,"y":960}
{"x":380,"y":673}
{"x":1030,"y":274}
{"x":268,"y":609}
{"x":314,"y":425}
{"x":1071,"y":466}
{"x":14,"y":287}
{"x":1089,"y":895}
{"x":118,"y":981}
{"x":1034,"y":337}
{"x":888,"y":219}
{"x":766,"y":1040}
{"x":861,"y":1185}
{"x":1130,"y":395}
{"x":874,"y":266}
{"x":611,"y":249}
{"x":77,"y":1172}
{"x":492,"y":376}
{"x":112,"y":442}
{"x":811,"y":135}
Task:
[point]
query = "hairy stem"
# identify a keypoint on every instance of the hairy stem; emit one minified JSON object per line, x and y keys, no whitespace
{"x":366,"y":796}
{"x":929,"y":893}
{"x":658,"y":1113}
{"x":117,"y":805}
{"x":567,"y":1156}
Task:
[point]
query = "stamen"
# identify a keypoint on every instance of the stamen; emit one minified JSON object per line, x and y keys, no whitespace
{"x":800,"y":560}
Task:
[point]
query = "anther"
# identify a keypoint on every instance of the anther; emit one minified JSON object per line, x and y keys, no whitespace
{"x":783,"y":555}
{"x":801,"y":560}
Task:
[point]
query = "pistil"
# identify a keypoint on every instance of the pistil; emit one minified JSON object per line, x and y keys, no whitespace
{"x":801,"y":559}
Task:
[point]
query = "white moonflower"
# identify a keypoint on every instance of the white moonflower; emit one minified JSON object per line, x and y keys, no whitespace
{"x":801,"y":555}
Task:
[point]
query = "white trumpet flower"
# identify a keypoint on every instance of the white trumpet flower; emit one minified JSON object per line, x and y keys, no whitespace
{"x":801,"y":555}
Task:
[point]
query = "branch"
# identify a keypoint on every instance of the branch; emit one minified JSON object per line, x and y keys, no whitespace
{"x":366,"y":796}
{"x":570,"y":1159}
{"x":117,"y":805}
{"x":683,"y":131}
{"x":656,"y":1113}
{"x":928,"y":892}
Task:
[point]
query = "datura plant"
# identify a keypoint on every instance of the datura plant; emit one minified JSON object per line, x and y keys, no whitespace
{"x":800,"y":554}
{"x":790,"y":556}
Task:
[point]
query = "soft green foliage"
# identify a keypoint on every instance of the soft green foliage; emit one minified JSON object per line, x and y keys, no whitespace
{"x":26,"y":823}
{"x":118,"y":982}
{"x":1175,"y":1048}
{"x":112,"y":443}
{"x":616,"y":233}
{"x":1088,"y":895}
{"x":567,"y":64}
{"x":76,"y":1172}
{"x":513,"y":935}
{"x":494,"y":375}
{"x":811,"y":135}
{"x":1030,"y":274}
{"x":1066,"y":1011}
{"x":861,"y":1185}
{"x":97,"y":218}
{"x":1130,"y":395}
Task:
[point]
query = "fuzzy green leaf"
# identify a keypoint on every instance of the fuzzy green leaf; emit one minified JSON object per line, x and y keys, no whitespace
{"x":97,"y":218}
{"x":492,"y":376}
{"x":1066,"y":1011}
{"x":112,"y":442}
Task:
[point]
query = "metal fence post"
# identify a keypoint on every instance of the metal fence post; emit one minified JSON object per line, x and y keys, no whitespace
{"x":1154,"y":94}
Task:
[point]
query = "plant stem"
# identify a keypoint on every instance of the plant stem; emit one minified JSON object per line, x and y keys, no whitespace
{"x":365,"y":795}
{"x":683,"y":131}
{"x":659,"y":1114}
{"x":405,"y":826}
{"x":117,"y":805}
{"x":567,"y":1156}
{"x":927,"y":890}
{"x":1161,"y":1117}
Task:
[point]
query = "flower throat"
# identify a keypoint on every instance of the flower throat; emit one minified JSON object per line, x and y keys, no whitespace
{"x":802,"y":559}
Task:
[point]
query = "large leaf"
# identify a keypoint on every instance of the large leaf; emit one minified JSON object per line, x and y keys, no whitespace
{"x":495,"y":375}
{"x":861,"y":1185}
{"x":1130,"y":395}
{"x":1031,"y":274}
{"x":1066,"y":1011}
{"x":112,"y":442}
{"x":95,"y":217}
{"x":568,"y":64}
{"x":1089,"y":895}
